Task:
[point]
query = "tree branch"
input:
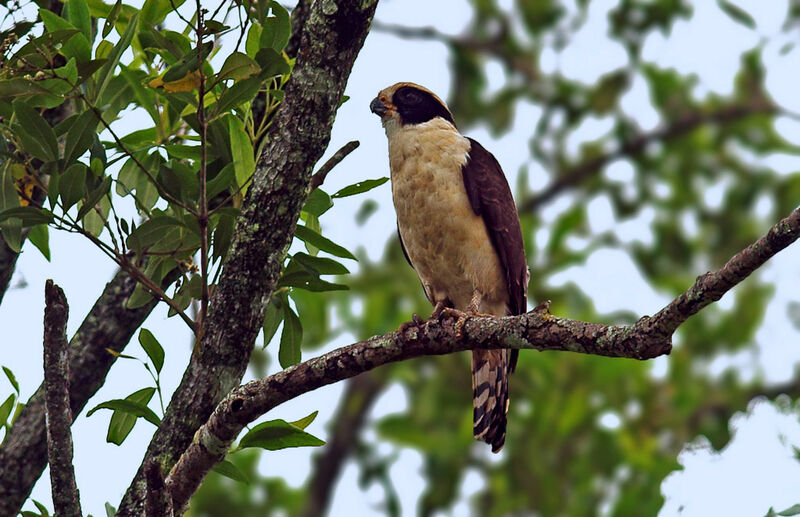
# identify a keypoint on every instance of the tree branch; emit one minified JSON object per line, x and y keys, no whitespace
{"x":539,"y":330}
{"x":319,"y":177}
{"x":158,"y":503}
{"x":108,"y":326}
{"x":331,"y":39}
{"x":59,"y":417}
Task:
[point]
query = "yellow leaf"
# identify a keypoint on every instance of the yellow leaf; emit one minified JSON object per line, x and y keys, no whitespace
{"x":25,"y":187}
{"x":187,"y":83}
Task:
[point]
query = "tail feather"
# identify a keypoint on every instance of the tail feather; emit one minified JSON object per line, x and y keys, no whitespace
{"x":490,"y":370}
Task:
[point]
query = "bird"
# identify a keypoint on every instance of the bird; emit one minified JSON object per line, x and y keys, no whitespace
{"x":460,"y":231}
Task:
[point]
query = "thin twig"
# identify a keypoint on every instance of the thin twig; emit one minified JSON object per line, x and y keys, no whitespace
{"x":66,"y":499}
{"x":319,"y":177}
{"x":202,"y":217}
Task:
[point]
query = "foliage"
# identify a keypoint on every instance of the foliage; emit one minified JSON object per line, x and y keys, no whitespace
{"x":559,"y":458}
{"x":162,"y":197}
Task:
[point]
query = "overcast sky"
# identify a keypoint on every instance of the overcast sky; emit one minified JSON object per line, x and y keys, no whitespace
{"x":755,"y":471}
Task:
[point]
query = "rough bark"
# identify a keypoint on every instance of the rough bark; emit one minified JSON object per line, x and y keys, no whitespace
{"x":360,"y":394}
{"x":647,"y":338}
{"x":331,"y":39}
{"x":66,"y":500}
{"x":23,"y":454}
{"x":299,"y":17}
{"x":158,"y":503}
{"x":8,"y":261}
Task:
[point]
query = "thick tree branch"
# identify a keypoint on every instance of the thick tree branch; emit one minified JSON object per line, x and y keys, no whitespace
{"x":647,"y":338}
{"x":108,"y":326}
{"x":331,"y":39}
{"x":66,"y":500}
{"x":356,"y":403}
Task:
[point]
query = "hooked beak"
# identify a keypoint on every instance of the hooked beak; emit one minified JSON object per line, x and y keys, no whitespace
{"x":378,"y":107}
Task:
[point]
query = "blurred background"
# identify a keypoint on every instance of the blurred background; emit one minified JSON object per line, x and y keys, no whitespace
{"x":646,"y":142}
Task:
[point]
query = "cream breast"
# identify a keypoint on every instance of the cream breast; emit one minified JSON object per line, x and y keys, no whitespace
{"x":447,"y":243}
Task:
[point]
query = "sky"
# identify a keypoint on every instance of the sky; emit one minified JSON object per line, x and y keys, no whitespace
{"x":754,"y":471}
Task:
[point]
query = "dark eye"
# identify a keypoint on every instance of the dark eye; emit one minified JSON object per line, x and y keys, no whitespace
{"x":409,"y":97}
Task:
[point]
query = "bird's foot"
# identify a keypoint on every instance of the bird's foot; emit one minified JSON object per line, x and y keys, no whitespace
{"x":461,"y":318}
{"x":416,"y":321}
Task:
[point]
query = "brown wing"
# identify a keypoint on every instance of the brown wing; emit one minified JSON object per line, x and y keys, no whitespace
{"x":490,"y":197}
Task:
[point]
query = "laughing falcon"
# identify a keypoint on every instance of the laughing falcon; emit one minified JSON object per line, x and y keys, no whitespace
{"x":459,"y":230}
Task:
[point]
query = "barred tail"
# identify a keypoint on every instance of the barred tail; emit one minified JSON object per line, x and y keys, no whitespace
{"x":490,"y":370}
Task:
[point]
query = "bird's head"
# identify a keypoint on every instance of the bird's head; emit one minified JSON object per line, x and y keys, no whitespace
{"x":404,"y":104}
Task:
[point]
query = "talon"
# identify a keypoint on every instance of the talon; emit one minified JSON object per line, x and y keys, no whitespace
{"x":416,"y":321}
{"x":438,"y":309}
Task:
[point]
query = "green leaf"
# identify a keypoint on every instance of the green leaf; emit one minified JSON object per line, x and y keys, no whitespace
{"x":291,"y":338}
{"x":12,"y":234}
{"x":136,"y":409}
{"x":94,"y":197}
{"x":77,"y":46}
{"x":278,"y":434}
{"x":253,"y":38}
{"x":72,"y":185}
{"x":139,"y":297}
{"x":111,"y":18}
{"x":320,"y":265}
{"x":272,"y":64}
{"x":152,"y":348}
{"x":9,"y":198}
{"x":276,"y":29}
{"x":78,"y":15}
{"x":190,"y":62}
{"x":5,"y":409}
{"x":110,"y":510}
{"x":20,"y":86}
{"x":36,"y":135}
{"x":107,"y":72}
{"x":229,"y":470}
{"x":80,"y":136}
{"x":42,"y":508}
{"x":305,"y":421}
{"x":309,"y":236}
{"x":154,"y":11}
{"x":238,"y":66}
{"x":162,"y":233}
{"x":29,"y":215}
{"x":11,"y":378}
{"x":794,"y":510}
{"x":273,"y":317}
{"x":318,"y":202}
{"x":213,"y":26}
{"x":40,"y":237}
{"x":242,"y":151}
{"x":242,"y":91}
{"x":309,"y":281}
{"x":122,"y":422}
{"x":361,"y":186}
{"x":737,"y":13}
